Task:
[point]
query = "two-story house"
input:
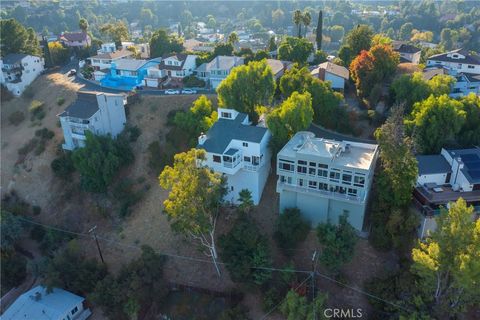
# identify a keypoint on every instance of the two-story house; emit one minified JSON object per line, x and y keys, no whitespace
{"x":329,"y":71}
{"x":215,"y":71}
{"x":108,"y":54}
{"x":75,"y":39}
{"x":444,"y":178}
{"x":98,"y":112}
{"x":459,"y":60}
{"x":177,"y":66}
{"x":326,"y":178}
{"x":239,"y":150}
{"x":18,"y":71}
{"x":40,"y":303}
{"x":408,"y":53}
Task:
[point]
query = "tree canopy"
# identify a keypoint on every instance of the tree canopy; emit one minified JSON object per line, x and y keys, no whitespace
{"x":162,"y":44}
{"x":246,"y":88}
{"x":15,"y":38}
{"x":290,"y":229}
{"x":116,"y":32}
{"x":359,"y":38}
{"x":295,"y":49}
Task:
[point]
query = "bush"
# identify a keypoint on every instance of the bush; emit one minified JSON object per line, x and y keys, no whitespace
{"x":28,"y":147}
{"x":193,"y":82}
{"x":133,"y":133}
{"x":125,"y":193}
{"x":159,"y":157}
{"x":28,"y":93}
{"x":44,"y":134}
{"x":291,"y":229}
{"x":12,"y":203}
{"x":16,"y":118}
{"x":14,"y":270}
{"x":63,"y":166}
{"x":60,"y":101}
{"x":36,"y":110}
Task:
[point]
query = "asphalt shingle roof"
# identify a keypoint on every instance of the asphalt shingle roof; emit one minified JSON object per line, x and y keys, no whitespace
{"x":224,"y":130}
{"x":432,"y":164}
{"x":404,"y":47}
{"x":113,"y":55}
{"x":84,"y":107}
{"x":74,"y":36}
{"x":469,"y":57}
{"x":334,"y":69}
{"x":129,"y":64}
{"x":13,"y":58}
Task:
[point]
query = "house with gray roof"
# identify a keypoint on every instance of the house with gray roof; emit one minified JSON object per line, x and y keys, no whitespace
{"x":457,"y":61}
{"x":215,"y":71}
{"x":329,"y":71}
{"x":38,"y":303}
{"x":239,"y":150}
{"x":408,"y":52}
{"x":19,"y":70}
{"x":97,"y":112}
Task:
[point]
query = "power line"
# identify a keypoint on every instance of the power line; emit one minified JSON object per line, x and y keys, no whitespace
{"x":176,"y":256}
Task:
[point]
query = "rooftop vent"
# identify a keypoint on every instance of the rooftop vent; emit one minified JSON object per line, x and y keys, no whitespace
{"x":202,"y":139}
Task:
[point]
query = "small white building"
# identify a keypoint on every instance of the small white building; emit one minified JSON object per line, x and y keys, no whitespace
{"x":215,"y":71}
{"x":37,"y":304}
{"x":329,"y":71}
{"x":326,"y":178}
{"x":19,"y":70}
{"x":240,"y":151}
{"x":459,"y":60}
{"x":178,"y":65}
{"x":98,"y":112}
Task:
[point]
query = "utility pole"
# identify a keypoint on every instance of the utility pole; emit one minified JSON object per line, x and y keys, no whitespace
{"x":92,"y":231}
{"x":314,"y":271}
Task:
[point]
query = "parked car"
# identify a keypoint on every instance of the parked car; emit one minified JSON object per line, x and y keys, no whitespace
{"x":71,"y":73}
{"x":189,"y":91}
{"x":171,"y":91}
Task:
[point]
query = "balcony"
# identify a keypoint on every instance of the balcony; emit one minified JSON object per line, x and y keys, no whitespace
{"x":441,"y":195}
{"x":316,"y":191}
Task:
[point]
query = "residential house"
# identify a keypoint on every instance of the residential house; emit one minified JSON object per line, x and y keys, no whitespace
{"x":108,"y":54}
{"x":75,"y":39}
{"x":329,"y":71}
{"x":444,"y":178}
{"x":408,"y":53}
{"x":143,"y":49}
{"x":193,"y":45}
{"x":459,"y":61}
{"x":240,"y":151}
{"x":279,"y":67}
{"x":326,"y":178}
{"x":98,"y":112}
{"x":177,"y":66}
{"x":19,"y":70}
{"x":465,"y":83}
{"x":215,"y":71}
{"x":38,"y":303}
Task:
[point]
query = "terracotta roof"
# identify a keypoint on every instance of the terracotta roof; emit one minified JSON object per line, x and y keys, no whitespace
{"x":113,"y":55}
{"x":74,"y":36}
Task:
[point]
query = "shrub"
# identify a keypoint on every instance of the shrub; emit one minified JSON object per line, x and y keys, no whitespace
{"x":28,"y":93}
{"x":16,"y":118}
{"x":133,"y":133}
{"x":13,"y":270}
{"x":159,"y":157}
{"x":291,"y":229}
{"x":63,"y":166}
{"x":44,"y":134}
{"x":125,"y":193}
{"x":28,"y":147}
{"x":193,"y":82}
{"x":12,"y":203}
{"x":36,"y":110}
{"x":60,"y":101}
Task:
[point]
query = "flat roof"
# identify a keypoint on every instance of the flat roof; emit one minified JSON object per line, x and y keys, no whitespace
{"x":345,"y":153}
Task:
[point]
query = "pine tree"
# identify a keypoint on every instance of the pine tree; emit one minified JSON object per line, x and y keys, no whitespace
{"x":319,"y":30}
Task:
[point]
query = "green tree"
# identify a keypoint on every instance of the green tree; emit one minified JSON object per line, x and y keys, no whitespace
{"x":71,"y":270}
{"x":306,"y":20}
{"x":435,"y":122}
{"x":233,"y":38}
{"x":223,"y":49}
{"x":297,"y":20}
{"x":11,"y":229}
{"x":272,"y":45}
{"x":243,"y":250}
{"x":99,"y":161}
{"x":337,"y":33}
{"x":58,"y":53}
{"x":319,"y":32}
{"x":448,"y":38}
{"x":198,"y":119}
{"x":448,"y":263}
{"x":278,"y":17}
{"x":194,"y":198}
{"x":117,"y":32}
{"x":405,"y":32}
{"x":245,"y":199}
{"x":290,"y":229}
{"x":293,"y":115}
{"x":469,"y":135}
{"x":295,"y":49}
{"x":14,"y":38}
{"x":296,"y":307}
{"x":246,"y":88}
{"x":346,"y":55}
{"x":163,"y":44}
{"x":13,"y":269}
{"x":338,"y":243}
{"x":83,"y":24}
{"x":359,"y":38}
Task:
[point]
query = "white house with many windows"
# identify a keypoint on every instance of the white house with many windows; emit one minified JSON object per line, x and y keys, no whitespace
{"x":178,"y":65}
{"x":326,"y":178}
{"x":107,"y":54}
{"x":19,"y":70}
{"x":98,"y":112}
{"x":39,"y":303}
{"x":239,"y":150}
{"x":459,"y":60}
{"x":215,"y":71}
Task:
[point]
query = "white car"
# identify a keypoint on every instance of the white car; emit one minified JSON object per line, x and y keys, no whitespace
{"x":171,"y":91}
{"x":189,"y":91}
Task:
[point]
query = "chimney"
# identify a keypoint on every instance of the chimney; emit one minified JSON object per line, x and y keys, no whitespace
{"x":202,"y":139}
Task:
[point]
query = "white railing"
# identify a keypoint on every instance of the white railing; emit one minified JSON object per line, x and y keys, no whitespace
{"x":306,"y":189}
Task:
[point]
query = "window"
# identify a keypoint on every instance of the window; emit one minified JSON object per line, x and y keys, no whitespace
{"x":323,"y":186}
{"x":231,"y":188}
{"x":359,"y":181}
{"x":347,"y":178}
{"x":302,"y":162}
{"x":352,"y":192}
{"x":286,"y":166}
{"x":217,"y":159}
{"x":312,"y":184}
{"x":245,"y":144}
{"x":301,"y":169}
{"x":335,"y":175}
{"x":255,"y":161}
{"x":311,"y":171}
{"x":74,"y":310}
{"x":246,"y":159}
{"x":227,"y":115}
{"x":312,"y":164}
{"x":322,"y":173}
{"x":300,"y":182}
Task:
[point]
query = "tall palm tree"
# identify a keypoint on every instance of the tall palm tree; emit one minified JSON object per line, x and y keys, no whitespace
{"x":297,"y":19}
{"x":306,"y":19}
